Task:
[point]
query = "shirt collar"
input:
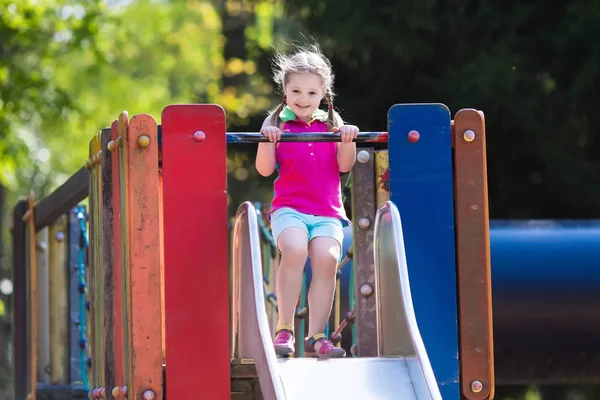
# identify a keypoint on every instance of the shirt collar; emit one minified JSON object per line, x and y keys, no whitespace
{"x":287,"y":115}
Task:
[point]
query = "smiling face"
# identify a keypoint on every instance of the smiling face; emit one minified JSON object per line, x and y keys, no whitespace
{"x":303,"y":93}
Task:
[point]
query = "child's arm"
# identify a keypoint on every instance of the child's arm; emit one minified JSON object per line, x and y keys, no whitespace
{"x":346,"y":156}
{"x":346,"y":150}
{"x":265,"y":155}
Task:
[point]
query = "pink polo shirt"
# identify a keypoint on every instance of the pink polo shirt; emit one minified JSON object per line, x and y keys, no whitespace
{"x":309,"y":175}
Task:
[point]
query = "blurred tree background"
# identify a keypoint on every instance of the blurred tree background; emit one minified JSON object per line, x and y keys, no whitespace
{"x":68,"y":68}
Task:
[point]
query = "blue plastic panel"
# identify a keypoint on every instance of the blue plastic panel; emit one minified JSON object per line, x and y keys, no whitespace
{"x":421,"y":185}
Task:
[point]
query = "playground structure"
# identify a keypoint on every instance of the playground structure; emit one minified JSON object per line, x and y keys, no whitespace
{"x":155,"y":262}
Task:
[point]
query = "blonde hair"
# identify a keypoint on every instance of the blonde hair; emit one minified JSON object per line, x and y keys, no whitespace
{"x":308,"y":59}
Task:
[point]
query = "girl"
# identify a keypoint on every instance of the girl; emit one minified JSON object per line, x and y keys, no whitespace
{"x":307,"y":215}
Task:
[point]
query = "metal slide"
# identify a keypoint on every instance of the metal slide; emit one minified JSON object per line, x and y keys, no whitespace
{"x":401,"y":371}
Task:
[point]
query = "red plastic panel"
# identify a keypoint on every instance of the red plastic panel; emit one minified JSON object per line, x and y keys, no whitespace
{"x":196,"y":270}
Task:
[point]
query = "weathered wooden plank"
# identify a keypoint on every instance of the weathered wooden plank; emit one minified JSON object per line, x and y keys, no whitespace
{"x":144,"y":253}
{"x":59,"y":302}
{"x":20,"y":313}
{"x":473,"y":256}
{"x":63,"y":199}
{"x":363,"y":217}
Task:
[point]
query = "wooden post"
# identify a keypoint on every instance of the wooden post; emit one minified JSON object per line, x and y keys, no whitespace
{"x":144,"y":259}
{"x":382,"y":177}
{"x":20,"y":313}
{"x":59,"y":303}
{"x":363,"y":218}
{"x":33,"y":327}
{"x":107,"y":261}
{"x":117,"y":277}
{"x":122,"y":142}
{"x":92,"y":329}
{"x":76,"y":374}
{"x":43,"y":302}
{"x":473,"y":256}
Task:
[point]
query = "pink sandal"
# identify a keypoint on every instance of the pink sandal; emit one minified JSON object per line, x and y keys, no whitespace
{"x":284,"y":340}
{"x":327,"y":349}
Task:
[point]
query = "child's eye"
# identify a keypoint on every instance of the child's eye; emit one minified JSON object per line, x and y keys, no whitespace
{"x":312,"y":93}
{"x":296,"y":91}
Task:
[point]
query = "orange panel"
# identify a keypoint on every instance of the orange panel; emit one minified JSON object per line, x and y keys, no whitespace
{"x":473,"y":255}
{"x":144,"y":252}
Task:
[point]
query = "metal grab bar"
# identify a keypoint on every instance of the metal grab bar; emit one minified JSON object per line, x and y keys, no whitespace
{"x":397,"y":329}
{"x":257,"y":137}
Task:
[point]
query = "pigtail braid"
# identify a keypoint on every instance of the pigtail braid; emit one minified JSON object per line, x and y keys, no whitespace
{"x":333,"y":118}
{"x":330,"y":113}
{"x":275,"y":120}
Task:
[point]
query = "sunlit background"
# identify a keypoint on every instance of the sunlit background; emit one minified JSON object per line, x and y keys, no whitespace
{"x":68,"y":68}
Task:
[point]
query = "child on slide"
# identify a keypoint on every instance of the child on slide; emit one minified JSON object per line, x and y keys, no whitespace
{"x":307,"y":214}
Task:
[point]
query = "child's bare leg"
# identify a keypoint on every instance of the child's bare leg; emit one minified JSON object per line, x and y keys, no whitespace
{"x":324,"y":253}
{"x":293,"y":244}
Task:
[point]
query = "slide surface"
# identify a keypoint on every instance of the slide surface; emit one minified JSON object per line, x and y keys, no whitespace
{"x":402,"y":370}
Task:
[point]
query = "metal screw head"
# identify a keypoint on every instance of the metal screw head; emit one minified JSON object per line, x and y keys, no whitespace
{"x":364,"y":223}
{"x":143,"y":141}
{"x":366,"y":290}
{"x":60,"y":236}
{"x":363,"y":156}
{"x":476,"y":386}
{"x":469,"y":135}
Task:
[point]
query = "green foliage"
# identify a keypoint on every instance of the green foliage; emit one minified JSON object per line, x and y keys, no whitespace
{"x":32,"y":33}
{"x":72,"y":69}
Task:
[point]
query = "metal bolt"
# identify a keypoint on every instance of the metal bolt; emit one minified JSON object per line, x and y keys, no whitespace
{"x":364,"y":223}
{"x":469,"y":135}
{"x":366,"y":290}
{"x":199,"y":136}
{"x":143,"y":141}
{"x":112,"y":145}
{"x":116,"y":392}
{"x":413,"y":136}
{"x":476,"y":386}
{"x":149,"y":395}
{"x":363,"y":156}
{"x":60,"y":236}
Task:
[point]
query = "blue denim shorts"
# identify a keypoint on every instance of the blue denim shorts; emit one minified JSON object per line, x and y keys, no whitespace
{"x":313,"y":225}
